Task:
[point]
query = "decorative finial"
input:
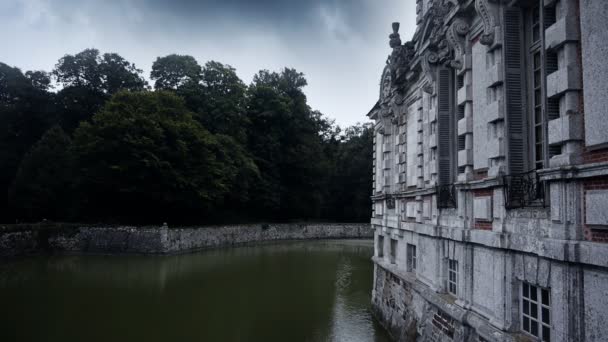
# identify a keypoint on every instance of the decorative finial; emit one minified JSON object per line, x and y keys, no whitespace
{"x":395,"y":39}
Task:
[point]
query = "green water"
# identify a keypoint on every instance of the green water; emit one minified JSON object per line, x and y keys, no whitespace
{"x":300,"y":291}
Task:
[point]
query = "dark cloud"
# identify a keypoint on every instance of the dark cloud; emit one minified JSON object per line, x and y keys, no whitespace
{"x":341,"y":45}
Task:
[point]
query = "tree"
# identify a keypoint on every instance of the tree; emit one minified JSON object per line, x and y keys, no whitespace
{"x":119,"y":74}
{"x":222,"y":110}
{"x":144,"y":158}
{"x":350,"y":182}
{"x":287,"y":146}
{"x":41,"y":188}
{"x":88,"y":80}
{"x":173,"y":71}
{"x":26,"y":112}
{"x":40,"y":79}
{"x":80,"y":70}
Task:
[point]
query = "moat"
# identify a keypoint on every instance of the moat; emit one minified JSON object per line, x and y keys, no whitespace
{"x":292,"y":291}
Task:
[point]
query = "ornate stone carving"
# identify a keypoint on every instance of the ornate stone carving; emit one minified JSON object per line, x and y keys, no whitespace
{"x":487,"y":11}
{"x":455,"y":36}
{"x":428,"y":71}
{"x":400,"y":59}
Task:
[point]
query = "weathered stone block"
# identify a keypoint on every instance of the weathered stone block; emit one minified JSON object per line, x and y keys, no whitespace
{"x":566,"y":128}
{"x":495,"y":148}
{"x":494,"y":111}
{"x":596,"y":207}
{"x":559,"y":33}
{"x":482,"y":208}
{"x":596,"y":302}
{"x":594,"y":35}
{"x":465,"y":125}
{"x":495,"y":75}
{"x":426,"y":209}
{"x":563,"y":80}
{"x":465,"y":94}
{"x":465,"y":157}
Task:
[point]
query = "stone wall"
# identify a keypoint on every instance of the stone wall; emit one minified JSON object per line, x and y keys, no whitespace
{"x":163,"y":240}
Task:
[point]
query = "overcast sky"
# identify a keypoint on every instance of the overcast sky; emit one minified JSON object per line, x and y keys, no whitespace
{"x":341,"y":45}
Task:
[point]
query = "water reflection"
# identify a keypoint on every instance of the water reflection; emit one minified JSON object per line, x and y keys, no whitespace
{"x":304,"y":291}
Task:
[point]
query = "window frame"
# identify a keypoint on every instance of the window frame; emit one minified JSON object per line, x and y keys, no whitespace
{"x":411,"y":257}
{"x":394,"y":244}
{"x":452,"y":280}
{"x":380,"y":246}
{"x":542,"y":308}
{"x":537,"y":124}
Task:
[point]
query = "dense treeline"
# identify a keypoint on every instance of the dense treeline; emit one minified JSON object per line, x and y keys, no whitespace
{"x":93,"y":141}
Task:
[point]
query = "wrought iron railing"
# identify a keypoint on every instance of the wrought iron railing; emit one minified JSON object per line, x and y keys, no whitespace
{"x":524,"y":190}
{"x":390,"y":203}
{"x":446,"y":196}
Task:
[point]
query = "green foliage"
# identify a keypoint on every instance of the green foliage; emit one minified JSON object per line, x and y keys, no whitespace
{"x":204,"y":147}
{"x":107,"y":74}
{"x":26,"y":112}
{"x":174,"y":71}
{"x":41,"y":189}
{"x":144,"y":155}
{"x":119,"y":74}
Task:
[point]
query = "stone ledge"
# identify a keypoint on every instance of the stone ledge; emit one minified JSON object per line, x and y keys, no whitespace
{"x":584,"y":252}
{"x":574,"y":172}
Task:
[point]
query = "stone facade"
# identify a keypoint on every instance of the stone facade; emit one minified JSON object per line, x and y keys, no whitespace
{"x":490,"y":187}
{"x":162,"y":240}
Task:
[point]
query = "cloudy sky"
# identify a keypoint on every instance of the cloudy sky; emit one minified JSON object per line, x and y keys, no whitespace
{"x":341,"y":45}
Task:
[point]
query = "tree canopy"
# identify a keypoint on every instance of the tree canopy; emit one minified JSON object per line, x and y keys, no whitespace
{"x":90,"y":141}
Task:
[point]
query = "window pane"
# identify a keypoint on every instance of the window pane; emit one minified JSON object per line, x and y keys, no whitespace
{"x":546,"y":334}
{"x":534,"y":328}
{"x":536,"y":79}
{"x":545,"y":294}
{"x":536,"y":33}
{"x":538,"y":115}
{"x":539,"y":156}
{"x":526,"y":291}
{"x":526,"y":324}
{"x":526,"y":306}
{"x":533,"y":310}
{"x":546,"y":318}
{"x":537,"y":98}
{"x":533,"y":293}
{"x":537,"y":61}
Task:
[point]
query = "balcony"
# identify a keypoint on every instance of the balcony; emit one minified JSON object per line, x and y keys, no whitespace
{"x":446,"y":196}
{"x":524,"y":190}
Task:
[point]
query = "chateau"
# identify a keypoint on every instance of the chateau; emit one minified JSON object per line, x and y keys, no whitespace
{"x":490,"y":193}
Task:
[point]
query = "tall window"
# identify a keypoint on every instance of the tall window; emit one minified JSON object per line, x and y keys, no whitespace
{"x":393,"y":251}
{"x":536,"y":85}
{"x":453,"y":276}
{"x":380,"y":246}
{"x":526,"y":66}
{"x":536,"y":311}
{"x":411,"y":258}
